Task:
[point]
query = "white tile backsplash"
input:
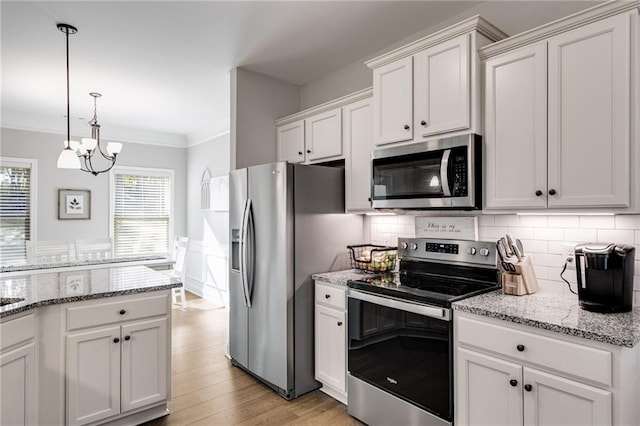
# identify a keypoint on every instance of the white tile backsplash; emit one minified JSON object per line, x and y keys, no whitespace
{"x":546,"y":238}
{"x":599,"y":222}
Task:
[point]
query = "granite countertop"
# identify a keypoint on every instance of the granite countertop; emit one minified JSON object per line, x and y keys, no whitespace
{"x":71,"y":263}
{"x":40,"y":289}
{"x":341,"y":277}
{"x":557,"y":313}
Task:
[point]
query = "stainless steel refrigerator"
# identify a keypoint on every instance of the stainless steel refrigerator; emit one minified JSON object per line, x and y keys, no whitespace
{"x":287,"y":222}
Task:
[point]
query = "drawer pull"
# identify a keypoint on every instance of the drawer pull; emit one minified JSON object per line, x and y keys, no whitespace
{"x":339,"y":323}
{"x":513,"y":382}
{"x":122,"y":312}
{"x":116,"y":340}
{"x":127,"y":338}
{"x":528,"y":388}
{"x":327,"y":296}
{"x":406,"y":127}
{"x":520,"y":348}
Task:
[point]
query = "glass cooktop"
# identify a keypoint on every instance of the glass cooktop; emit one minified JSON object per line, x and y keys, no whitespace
{"x":425,"y":288}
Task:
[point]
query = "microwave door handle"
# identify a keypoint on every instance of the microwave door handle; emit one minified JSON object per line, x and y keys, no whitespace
{"x":243,"y":251}
{"x":444,"y":173}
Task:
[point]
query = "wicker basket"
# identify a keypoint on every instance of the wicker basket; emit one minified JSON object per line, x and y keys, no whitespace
{"x":373,"y":258}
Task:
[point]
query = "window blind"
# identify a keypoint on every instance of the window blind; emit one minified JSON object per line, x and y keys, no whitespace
{"x":141,"y":214}
{"x":15,"y":212}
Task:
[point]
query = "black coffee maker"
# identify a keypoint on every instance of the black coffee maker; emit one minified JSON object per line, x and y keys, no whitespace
{"x":605,"y":276}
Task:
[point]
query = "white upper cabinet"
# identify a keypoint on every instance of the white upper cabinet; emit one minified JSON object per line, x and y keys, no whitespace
{"x":431,"y":86}
{"x":290,"y":140}
{"x":516,"y":128}
{"x":441,"y":86}
{"x":323,"y":137}
{"x":393,"y":102}
{"x":357,"y":137}
{"x":589,"y":115}
{"x":559,"y":102}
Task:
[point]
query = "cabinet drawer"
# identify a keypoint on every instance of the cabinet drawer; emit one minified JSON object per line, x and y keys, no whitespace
{"x":331,"y":296}
{"x":16,"y":331}
{"x":112,"y":312}
{"x":565,"y":357}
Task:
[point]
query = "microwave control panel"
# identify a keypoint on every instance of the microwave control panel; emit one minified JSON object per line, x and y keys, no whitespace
{"x":460,"y":172}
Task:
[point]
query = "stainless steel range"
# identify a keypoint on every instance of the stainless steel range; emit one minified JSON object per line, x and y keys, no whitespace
{"x":400,"y":359}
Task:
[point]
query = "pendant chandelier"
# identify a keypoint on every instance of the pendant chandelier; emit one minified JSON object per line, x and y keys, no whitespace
{"x":79,"y":155}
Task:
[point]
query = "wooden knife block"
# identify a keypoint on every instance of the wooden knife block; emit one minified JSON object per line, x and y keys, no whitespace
{"x":523,"y":281}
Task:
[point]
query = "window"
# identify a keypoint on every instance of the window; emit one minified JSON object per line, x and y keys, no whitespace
{"x":141,"y":211}
{"x":17,"y":208}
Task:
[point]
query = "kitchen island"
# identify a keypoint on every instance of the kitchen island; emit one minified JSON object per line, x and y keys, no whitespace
{"x":85,"y":346}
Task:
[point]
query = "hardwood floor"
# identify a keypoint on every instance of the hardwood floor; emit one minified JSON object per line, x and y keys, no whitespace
{"x":208,"y":390}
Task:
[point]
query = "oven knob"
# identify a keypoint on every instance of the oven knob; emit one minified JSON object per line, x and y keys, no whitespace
{"x":484,"y":251}
{"x":404,"y":246}
{"x":414,"y":246}
{"x":471,"y":251}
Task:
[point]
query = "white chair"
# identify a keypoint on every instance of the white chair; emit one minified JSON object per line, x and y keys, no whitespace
{"x":180,"y":247}
{"x":50,"y":251}
{"x":94,"y":249}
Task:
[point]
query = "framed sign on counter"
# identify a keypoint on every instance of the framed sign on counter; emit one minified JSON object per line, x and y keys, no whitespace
{"x":74,"y":204}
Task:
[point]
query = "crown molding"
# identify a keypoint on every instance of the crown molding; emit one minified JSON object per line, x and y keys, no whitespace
{"x":475,"y":23}
{"x":558,"y":26}
{"x":336,"y":103}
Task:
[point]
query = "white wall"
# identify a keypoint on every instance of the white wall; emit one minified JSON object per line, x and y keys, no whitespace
{"x":45,"y":147}
{"x":512,"y":17}
{"x":256,"y":102}
{"x":546,"y":238}
{"x":208,"y":231}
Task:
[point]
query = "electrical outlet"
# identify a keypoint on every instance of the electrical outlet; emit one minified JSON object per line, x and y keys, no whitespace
{"x":571,"y":259}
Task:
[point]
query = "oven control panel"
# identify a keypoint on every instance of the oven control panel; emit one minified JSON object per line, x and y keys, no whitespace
{"x":457,"y":251}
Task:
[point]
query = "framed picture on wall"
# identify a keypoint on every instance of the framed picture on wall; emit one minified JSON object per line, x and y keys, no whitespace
{"x":74,"y":204}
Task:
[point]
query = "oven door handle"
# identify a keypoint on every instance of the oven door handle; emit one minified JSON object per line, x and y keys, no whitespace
{"x":392,"y":302}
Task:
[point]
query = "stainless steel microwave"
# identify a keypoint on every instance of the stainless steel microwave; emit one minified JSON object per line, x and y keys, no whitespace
{"x":440,"y":174}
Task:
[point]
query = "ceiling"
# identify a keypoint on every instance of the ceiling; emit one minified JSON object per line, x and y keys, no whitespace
{"x":163,"y":66}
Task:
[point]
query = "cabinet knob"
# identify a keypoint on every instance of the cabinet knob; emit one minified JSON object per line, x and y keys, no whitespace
{"x":369,"y":199}
{"x":122,"y":312}
{"x":528,"y":388}
{"x":423,"y":122}
{"x":299,"y":152}
{"x":116,"y":340}
{"x":127,"y":338}
{"x":406,"y":127}
{"x":339,"y":323}
{"x":513,"y":382}
{"x":326,"y":296}
{"x":520,"y":348}
{"x":538,"y":193}
{"x":552,"y":192}
{"x":308,"y":151}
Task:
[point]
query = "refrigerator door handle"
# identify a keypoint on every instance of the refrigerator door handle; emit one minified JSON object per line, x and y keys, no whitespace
{"x":252,"y":258}
{"x":244,"y":231}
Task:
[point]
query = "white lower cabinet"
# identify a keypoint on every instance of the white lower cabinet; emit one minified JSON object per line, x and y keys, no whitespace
{"x":114,"y":370}
{"x":331,"y":340}
{"x":507,"y":374}
{"x":498,"y":392}
{"x":17,"y":372}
